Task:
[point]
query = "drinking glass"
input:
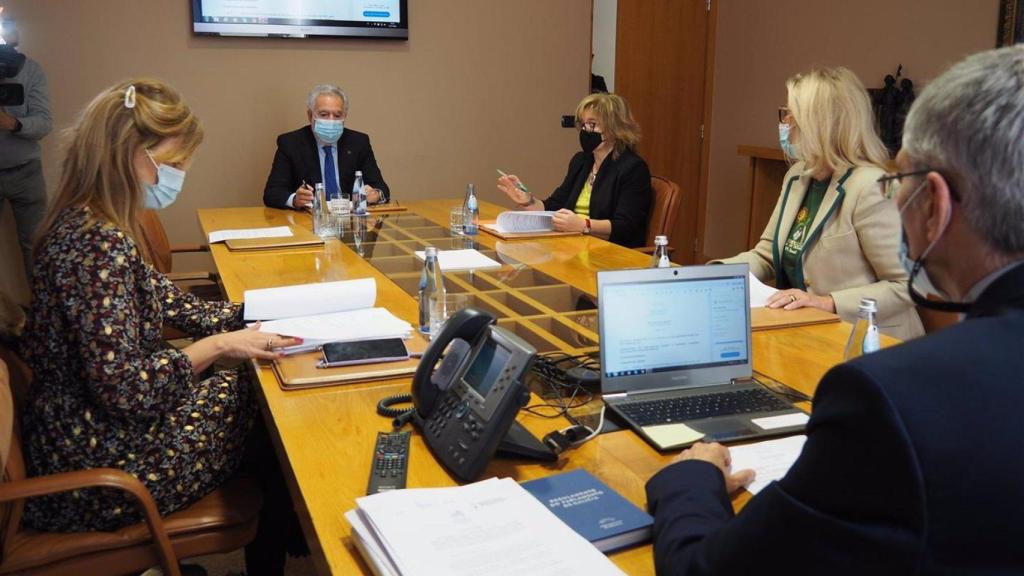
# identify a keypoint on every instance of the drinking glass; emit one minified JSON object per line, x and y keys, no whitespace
{"x":455,"y":220}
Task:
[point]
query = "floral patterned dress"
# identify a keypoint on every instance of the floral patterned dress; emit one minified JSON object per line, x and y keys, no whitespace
{"x":107,"y":392}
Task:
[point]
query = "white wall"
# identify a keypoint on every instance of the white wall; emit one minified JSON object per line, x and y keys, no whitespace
{"x":605,"y":14}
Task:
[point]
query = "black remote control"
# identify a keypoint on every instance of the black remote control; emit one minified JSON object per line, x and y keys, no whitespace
{"x":390,"y":462}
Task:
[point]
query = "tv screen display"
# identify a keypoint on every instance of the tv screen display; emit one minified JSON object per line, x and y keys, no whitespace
{"x":301,"y":18}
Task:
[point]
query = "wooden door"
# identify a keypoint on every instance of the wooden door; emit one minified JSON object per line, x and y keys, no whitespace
{"x":664,"y":52}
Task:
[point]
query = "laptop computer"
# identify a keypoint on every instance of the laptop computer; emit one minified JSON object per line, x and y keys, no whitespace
{"x":676,"y":360}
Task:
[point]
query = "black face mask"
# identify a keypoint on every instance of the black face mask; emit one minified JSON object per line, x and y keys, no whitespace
{"x":589,"y":141}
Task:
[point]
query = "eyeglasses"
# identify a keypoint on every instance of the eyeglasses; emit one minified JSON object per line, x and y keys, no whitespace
{"x":589,"y":126}
{"x":889,"y":190}
{"x":783,"y":112}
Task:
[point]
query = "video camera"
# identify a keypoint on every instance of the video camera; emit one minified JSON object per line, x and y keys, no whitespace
{"x":11,"y":94}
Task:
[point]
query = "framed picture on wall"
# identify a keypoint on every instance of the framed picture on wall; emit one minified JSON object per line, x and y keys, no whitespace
{"x":1011,"y":23}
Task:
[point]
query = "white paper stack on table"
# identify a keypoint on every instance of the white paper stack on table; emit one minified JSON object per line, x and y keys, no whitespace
{"x":492,"y":527}
{"x":770,"y":459}
{"x":249,"y":234}
{"x":325,"y":312}
{"x":467,"y":259}
{"x":759,"y":292}
{"x":519,"y":221}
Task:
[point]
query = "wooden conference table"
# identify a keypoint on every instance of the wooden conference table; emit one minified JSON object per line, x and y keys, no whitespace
{"x":325,"y":436}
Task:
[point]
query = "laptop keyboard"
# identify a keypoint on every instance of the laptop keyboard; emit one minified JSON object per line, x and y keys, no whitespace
{"x":684,"y":408}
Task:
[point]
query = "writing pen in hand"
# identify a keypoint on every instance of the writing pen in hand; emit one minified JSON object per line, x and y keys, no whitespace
{"x":518,"y":183}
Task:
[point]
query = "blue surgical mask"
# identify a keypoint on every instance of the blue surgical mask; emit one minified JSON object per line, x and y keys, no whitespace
{"x":169,"y":181}
{"x":787,"y":146}
{"x":328,"y":131}
{"x":915,"y":268}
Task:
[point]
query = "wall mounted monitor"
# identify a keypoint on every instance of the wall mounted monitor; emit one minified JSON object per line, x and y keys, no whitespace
{"x":301,"y":18}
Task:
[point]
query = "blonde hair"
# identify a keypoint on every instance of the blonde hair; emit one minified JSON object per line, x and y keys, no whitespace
{"x":616,"y":119}
{"x":99,"y":169}
{"x":834,"y":123}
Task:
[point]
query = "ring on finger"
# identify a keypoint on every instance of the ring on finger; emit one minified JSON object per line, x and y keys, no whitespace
{"x":270,"y":344}
{"x":792,"y":298}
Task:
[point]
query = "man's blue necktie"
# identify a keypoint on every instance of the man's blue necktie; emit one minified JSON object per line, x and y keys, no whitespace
{"x":330,"y":178}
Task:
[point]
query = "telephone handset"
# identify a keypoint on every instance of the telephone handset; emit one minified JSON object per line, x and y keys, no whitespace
{"x":466,"y":404}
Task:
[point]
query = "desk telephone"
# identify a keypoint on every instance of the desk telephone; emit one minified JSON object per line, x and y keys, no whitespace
{"x":466,"y":402}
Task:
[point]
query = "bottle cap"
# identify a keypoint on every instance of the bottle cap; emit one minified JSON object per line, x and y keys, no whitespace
{"x":661,"y":240}
{"x":868,"y":305}
{"x":430,"y":252}
{"x":359,"y":172}
{"x":470,"y":188}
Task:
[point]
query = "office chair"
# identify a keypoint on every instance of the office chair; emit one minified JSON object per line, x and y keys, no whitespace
{"x":224,"y":520}
{"x":665,"y":201}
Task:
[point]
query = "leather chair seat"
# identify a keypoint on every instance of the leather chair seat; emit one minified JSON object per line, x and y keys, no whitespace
{"x":227,"y":514}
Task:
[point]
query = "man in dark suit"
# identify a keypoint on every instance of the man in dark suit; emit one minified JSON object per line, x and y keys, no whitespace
{"x":913,"y":461}
{"x":325,"y":151}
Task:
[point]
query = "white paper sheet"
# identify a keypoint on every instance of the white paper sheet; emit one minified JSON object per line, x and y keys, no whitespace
{"x":467,"y":259}
{"x":347,"y":326}
{"x":248,"y":233}
{"x":781,"y":421}
{"x":309,"y":299}
{"x":493,"y":527}
{"x":771,"y":459}
{"x":759,"y":292}
{"x":524,"y":221}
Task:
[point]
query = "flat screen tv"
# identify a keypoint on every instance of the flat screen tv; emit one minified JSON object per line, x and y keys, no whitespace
{"x":301,"y":18}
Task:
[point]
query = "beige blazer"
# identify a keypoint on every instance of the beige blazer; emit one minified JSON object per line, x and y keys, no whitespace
{"x":852,"y":251}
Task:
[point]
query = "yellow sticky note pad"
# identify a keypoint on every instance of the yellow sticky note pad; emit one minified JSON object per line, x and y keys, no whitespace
{"x":668,"y":435}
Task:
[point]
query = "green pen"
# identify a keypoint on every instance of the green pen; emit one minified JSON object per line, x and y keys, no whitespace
{"x":518,"y":183}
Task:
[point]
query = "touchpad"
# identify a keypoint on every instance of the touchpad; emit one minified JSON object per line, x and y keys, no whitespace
{"x":723,"y":429}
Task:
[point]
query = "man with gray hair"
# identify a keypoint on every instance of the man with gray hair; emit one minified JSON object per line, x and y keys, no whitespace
{"x":21,"y":129}
{"x":324,"y":151}
{"x":912,"y":463}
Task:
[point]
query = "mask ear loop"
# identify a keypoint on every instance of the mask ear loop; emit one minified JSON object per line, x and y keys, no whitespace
{"x":915,"y":296}
{"x":129,"y":97}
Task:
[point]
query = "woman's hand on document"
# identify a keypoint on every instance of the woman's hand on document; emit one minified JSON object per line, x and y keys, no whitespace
{"x":251,"y":343}
{"x":718,"y":455}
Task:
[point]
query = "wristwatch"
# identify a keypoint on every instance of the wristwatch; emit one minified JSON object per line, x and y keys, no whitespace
{"x":586,"y":225}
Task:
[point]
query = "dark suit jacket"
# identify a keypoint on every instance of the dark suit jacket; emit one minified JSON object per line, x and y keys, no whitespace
{"x":621,"y":193}
{"x":298,"y":159}
{"x":914,"y":464}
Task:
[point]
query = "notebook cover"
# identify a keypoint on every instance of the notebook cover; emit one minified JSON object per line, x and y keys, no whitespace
{"x":301,"y":371}
{"x":389,"y":207}
{"x":489,"y":227}
{"x":300,"y":237}
{"x":768,"y":318}
{"x":592,"y":509}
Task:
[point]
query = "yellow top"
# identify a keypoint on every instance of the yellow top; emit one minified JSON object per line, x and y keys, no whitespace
{"x":583,"y":202}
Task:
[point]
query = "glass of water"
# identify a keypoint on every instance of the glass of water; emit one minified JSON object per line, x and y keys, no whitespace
{"x":455,"y":220}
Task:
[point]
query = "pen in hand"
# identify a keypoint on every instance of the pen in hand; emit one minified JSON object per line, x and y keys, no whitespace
{"x":519,"y":184}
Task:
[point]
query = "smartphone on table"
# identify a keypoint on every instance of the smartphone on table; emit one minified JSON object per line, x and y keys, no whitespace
{"x":363,"y":352}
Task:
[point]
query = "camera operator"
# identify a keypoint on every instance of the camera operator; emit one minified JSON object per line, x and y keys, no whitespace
{"x":21,"y":129}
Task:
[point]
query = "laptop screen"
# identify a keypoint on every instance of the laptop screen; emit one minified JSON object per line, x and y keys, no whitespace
{"x":671,"y":327}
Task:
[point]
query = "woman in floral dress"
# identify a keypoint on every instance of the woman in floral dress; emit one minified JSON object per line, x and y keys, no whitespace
{"x":107,"y":392}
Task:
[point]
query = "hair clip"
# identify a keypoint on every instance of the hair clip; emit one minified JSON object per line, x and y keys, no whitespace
{"x":129,"y":96}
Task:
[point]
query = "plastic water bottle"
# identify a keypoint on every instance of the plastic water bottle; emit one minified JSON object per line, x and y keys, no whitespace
{"x":471,"y":213}
{"x":359,"y":195}
{"x":432,"y":294}
{"x":864,"y":338}
{"x":660,"y":257}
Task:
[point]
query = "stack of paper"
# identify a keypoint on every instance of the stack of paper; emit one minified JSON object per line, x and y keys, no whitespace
{"x":492,"y":527}
{"x":468,"y":259}
{"x":770,"y":459}
{"x":759,"y":292}
{"x":325,"y":312}
{"x":524,"y":221}
{"x":250,"y":233}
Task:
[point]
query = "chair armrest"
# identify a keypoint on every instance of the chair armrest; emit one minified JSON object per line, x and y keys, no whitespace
{"x":179,"y":248}
{"x":100,"y":478}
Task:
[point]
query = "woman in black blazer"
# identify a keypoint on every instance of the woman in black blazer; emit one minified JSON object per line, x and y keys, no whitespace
{"x":607,"y":189}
